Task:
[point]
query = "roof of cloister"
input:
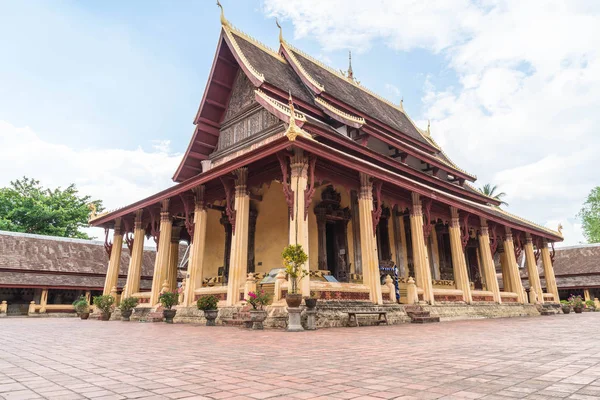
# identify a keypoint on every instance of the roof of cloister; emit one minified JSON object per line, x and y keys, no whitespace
{"x":320,"y":95}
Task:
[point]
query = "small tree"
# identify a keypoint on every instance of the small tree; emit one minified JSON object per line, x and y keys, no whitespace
{"x":294,"y":258}
{"x":128,"y":304}
{"x":168,"y":299}
{"x":590,"y":216}
{"x":81,"y":305}
{"x":208,"y":302}
{"x":105,"y":304}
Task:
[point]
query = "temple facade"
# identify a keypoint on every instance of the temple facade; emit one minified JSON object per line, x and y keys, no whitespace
{"x":287,"y":150}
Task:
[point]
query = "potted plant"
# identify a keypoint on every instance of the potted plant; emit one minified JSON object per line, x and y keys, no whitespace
{"x":257,"y":314}
{"x":293,"y":259}
{"x":208,"y":304}
{"x":82,"y":308}
{"x":590,"y":305}
{"x":311,"y":302}
{"x":127,"y":305}
{"x":577,"y":303}
{"x":105,"y":304}
{"x":168,"y":300}
{"x":566,"y":307}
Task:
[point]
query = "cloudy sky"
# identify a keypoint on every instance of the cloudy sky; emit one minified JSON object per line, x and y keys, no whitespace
{"x":103,"y":94}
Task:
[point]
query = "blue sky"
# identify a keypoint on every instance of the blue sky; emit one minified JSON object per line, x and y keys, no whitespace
{"x":103,"y":93}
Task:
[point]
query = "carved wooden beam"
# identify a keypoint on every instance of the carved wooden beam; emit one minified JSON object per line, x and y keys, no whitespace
{"x":309,"y":192}
{"x":376,"y":213}
{"x":287,"y":191}
{"x":493,"y":238}
{"x":188,"y":206}
{"x":155,"y":225}
{"x":552,"y":253}
{"x":128,"y":235}
{"x":517,"y":245}
{"x":427,"y":227}
{"x":229,"y":199}
{"x":465,"y":231}
{"x":107,"y":244}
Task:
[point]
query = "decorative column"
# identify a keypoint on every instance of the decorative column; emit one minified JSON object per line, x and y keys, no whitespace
{"x":298,"y":226}
{"x":403,"y":267}
{"x":534,"y":277}
{"x":435,"y":252}
{"x":112,"y":273}
{"x":516,"y":286}
{"x":238,"y":262}
{"x":487,"y":261}
{"x":171,"y":276}
{"x":137,"y":256}
{"x":370,"y":259}
{"x":459,"y":264}
{"x":504,"y":264}
{"x":43,"y":300}
{"x":195,"y":274}
{"x":420,"y":256}
{"x":549,"y":272}
{"x":162,"y":255}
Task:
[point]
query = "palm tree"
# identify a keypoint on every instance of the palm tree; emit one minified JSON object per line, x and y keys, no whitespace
{"x":490,"y":191}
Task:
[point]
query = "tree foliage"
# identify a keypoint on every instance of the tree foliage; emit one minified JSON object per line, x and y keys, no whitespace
{"x":590,"y":216}
{"x":490,"y":191}
{"x":26,"y":206}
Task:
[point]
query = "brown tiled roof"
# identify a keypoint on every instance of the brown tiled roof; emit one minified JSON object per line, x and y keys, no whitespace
{"x":577,"y":260}
{"x":35,"y":260}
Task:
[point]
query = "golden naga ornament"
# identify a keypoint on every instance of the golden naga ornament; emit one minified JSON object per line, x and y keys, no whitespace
{"x":293,"y":130}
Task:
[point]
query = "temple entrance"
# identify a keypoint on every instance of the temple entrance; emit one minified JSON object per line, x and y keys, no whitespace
{"x":473,"y":264}
{"x":332,"y":224}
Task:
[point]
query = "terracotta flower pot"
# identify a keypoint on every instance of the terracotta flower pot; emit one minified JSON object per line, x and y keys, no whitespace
{"x":566,"y":309}
{"x":257,"y":317}
{"x":293,"y":300}
{"x":578,"y":310}
{"x":310,"y":302}
{"x":84,"y":315}
{"x":211,"y":316}
{"x":105,"y":317}
{"x":125,"y":315}
{"x":169,"y":315}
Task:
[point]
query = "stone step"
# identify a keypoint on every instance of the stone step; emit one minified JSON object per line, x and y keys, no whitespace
{"x":246,"y":323}
{"x":424,"y":320}
{"x":418,"y":314}
{"x":155,"y":316}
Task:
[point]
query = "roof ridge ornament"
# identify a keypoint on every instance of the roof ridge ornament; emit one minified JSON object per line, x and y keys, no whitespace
{"x":294,"y":130}
{"x":402,"y":104}
{"x":281,"y":40}
{"x":224,"y":21}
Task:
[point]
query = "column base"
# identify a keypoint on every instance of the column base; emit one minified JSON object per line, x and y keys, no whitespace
{"x":294,"y":319}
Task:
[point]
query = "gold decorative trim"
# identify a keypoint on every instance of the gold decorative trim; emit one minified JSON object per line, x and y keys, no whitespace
{"x":257,"y":43}
{"x":301,"y":67}
{"x":526,"y":221}
{"x":293,"y":130}
{"x":239,"y":52}
{"x":281,"y":106}
{"x":345,"y":115}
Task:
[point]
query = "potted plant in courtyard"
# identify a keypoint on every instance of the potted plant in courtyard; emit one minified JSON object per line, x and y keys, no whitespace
{"x":82,"y":308}
{"x":127,"y":305}
{"x":208,"y":304}
{"x":577,"y":303}
{"x":293,"y":259}
{"x":311,"y":302}
{"x":257,"y":314}
{"x":566,"y":307}
{"x":590,"y":305}
{"x":105,"y":304}
{"x":168,"y":300}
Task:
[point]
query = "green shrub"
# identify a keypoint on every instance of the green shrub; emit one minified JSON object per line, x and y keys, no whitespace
{"x":590,"y":304}
{"x":128,"y":304}
{"x":169,"y":299}
{"x":81,"y":305}
{"x":207,"y":303}
{"x":104,"y":303}
{"x":293,"y":259}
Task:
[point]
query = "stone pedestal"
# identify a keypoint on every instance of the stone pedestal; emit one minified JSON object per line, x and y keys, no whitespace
{"x":311,"y":320}
{"x":294,"y":320}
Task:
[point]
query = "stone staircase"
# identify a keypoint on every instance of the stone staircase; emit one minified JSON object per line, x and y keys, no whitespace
{"x":549,"y":308}
{"x":419,"y":316}
{"x":240,"y":319}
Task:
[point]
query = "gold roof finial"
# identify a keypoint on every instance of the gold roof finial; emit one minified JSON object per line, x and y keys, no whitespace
{"x":294,"y":130}
{"x":402,"y":103}
{"x":350,"y":72}
{"x":224,"y":21}
{"x":280,"y":31}
{"x":560,"y":228}
{"x":291,"y":104}
{"x":428,"y":127}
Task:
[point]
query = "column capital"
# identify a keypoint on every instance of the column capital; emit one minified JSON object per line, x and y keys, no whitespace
{"x":118,"y":229}
{"x":417,"y":207}
{"x":241,"y":181}
{"x":454,"y":217}
{"x":198,"y":198}
{"x":508,"y":233}
{"x":366,"y":187}
{"x":138,"y":219}
{"x":484,"y":227}
{"x":528,"y":238}
{"x":299,"y":165}
{"x":175,"y":234}
{"x":164,"y":210}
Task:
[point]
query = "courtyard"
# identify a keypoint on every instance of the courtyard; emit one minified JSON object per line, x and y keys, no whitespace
{"x":533,"y":358}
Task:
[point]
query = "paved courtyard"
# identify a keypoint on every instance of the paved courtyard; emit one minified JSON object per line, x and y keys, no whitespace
{"x":534,"y":358}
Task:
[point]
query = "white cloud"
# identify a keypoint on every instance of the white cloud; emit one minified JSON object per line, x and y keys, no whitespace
{"x":118,"y":177}
{"x":524,"y":112}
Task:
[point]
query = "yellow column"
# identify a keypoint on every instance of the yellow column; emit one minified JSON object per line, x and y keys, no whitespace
{"x":298,"y":226}
{"x":196,"y":257}
{"x":549,"y":272}
{"x":404,"y":246}
{"x":162,"y":255}
{"x":173,"y":258}
{"x":586,"y":295}
{"x":532,"y":271}
{"x":112,"y":273}
{"x":420,"y":256}
{"x":368,"y":242}
{"x":459,"y":263}
{"x":487,"y":261}
{"x":516,"y":286}
{"x":504,"y":263}
{"x":238,"y":263}
{"x":43,"y":300}
{"x":435,"y":251}
{"x":137,"y":256}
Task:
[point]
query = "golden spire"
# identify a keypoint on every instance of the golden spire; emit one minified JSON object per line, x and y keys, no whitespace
{"x":224,"y":21}
{"x":280,"y":31}
{"x":402,"y":103}
{"x":294,"y":130}
{"x":428,"y":127}
{"x":350,"y":73}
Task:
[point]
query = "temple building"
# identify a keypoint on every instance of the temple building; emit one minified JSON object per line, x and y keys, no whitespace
{"x":287,"y":150}
{"x":45,"y":274}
